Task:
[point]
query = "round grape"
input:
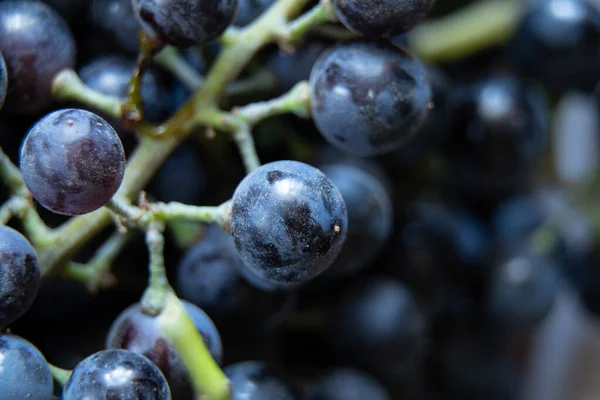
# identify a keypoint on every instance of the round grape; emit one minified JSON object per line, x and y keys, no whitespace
{"x":116,"y":374}
{"x":185,"y":23}
{"x":210,"y":276}
{"x":288,"y":221}
{"x":368,"y":111}
{"x":117,"y":18}
{"x":72,"y":162}
{"x":347,"y":384}
{"x":381,"y":18}
{"x":24,"y":372}
{"x":254,"y":380}
{"x":19,"y":275}
{"x":3,"y":80}
{"x":35,"y":49}
{"x":136,"y":331}
{"x":369,"y":216}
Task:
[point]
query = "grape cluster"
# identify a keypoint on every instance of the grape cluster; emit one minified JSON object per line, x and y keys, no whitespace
{"x":298,"y":199}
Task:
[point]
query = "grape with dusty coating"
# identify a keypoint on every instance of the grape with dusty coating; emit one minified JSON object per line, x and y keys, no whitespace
{"x":185,"y":23}
{"x":19,"y":275}
{"x":35,"y":49}
{"x":72,"y":162}
{"x":24,"y":372}
{"x":381,"y":18}
{"x":255,"y":380}
{"x":368,"y":98}
{"x":136,"y":331}
{"x":116,"y":374}
{"x":288,"y":221}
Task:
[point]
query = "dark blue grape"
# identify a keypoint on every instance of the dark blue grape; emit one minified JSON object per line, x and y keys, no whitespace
{"x":69,"y":9}
{"x":377,"y":325}
{"x":19,"y":275}
{"x":381,"y":18}
{"x":116,"y":375}
{"x":249,"y":10}
{"x":136,"y":331}
{"x":36,"y":44}
{"x":288,"y":221}
{"x":111,"y":75}
{"x":117,"y":18}
{"x":558,"y":43}
{"x":368,"y":111}
{"x":347,"y":384}
{"x":523,"y":289}
{"x":254,"y":380}
{"x":72,"y":162}
{"x":24,"y":372}
{"x":210,"y":276}
{"x":370,"y":216}
{"x":185,"y":23}
{"x":3,"y":80}
{"x":500,"y":131}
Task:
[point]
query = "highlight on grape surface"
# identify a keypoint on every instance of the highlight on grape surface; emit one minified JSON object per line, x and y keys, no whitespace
{"x":299,"y":199}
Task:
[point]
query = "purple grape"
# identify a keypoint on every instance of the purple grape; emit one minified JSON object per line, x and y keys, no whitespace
{"x":36,"y":44}
{"x":72,"y":162}
{"x":3,"y":80}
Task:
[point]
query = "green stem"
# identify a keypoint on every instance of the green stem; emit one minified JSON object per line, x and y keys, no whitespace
{"x":245,"y":144}
{"x":171,"y":60}
{"x":155,"y":296}
{"x":14,"y":206}
{"x":298,"y":28}
{"x":262,"y":81}
{"x":96,"y":273}
{"x":60,"y":375}
{"x":207,"y":378}
{"x":471,"y":29}
{"x":68,"y":87}
{"x":296,"y":101}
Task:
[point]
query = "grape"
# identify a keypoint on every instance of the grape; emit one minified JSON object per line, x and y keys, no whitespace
{"x":522,"y":292}
{"x":117,"y":18}
{"x":249,"y":10}
{"x":3,"y":80}
{"x":558,"y":43}
{"x":377,"y":325}
{"x":368,"y":111}
{"x":72,"y":162}
{"x":254,"y":380}
{"x":210,"y":276}
{"x":24,"y":372}
{"x":288,"y":221}
{"x":133,"y":330}
{"x":501,"y":129}
{"x":35,"y":49}
{"x":19,"y":275}
{"x":347,"y":384}
{"x":369,"y":216}
{"x":185,"y":23}
{"x":111,"y":75}
{"x":377,"y":18}
{"x":116,"y":374}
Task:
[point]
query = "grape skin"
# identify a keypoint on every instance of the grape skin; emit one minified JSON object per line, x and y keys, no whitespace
{"x":118,"y":18}
{"x":381,"y":18}
{"x":34,"y":50}
{"x":249,"y":10}
{"x":72,"y":161}
{"x":19,"y":275}
{"x":288,"y":221}
{"x":116,"y":374}
{"x":133,"y":330}
{"x":347,"y":384}
{"x":24,"y":372}
{"x":3,"y":80}
{"x":368,"y":111}
{"x":185,"y":23}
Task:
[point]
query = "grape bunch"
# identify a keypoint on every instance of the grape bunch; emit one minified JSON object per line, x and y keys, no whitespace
{"x":298,"y":199}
